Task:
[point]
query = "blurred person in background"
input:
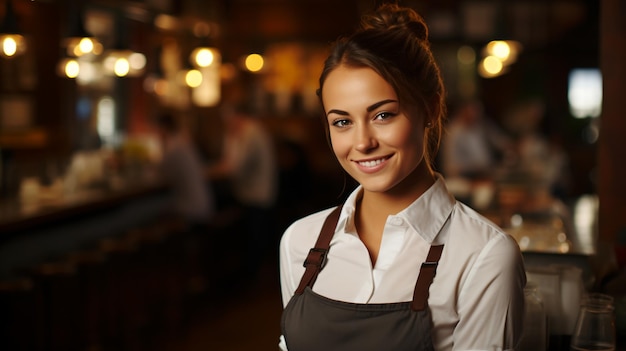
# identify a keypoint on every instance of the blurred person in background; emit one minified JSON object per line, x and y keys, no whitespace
{"x":368,"y":280}
{"x":538,"y":177}
{"x":182,"y":169}
{"x":249,"y":164}
{"x":192,"y":199}
{"x":540,"y":156}
{"x":473,"y":146}
{"x":474,"y":150}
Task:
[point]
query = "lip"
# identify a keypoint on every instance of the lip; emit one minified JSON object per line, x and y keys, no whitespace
{"x":372,"y":165}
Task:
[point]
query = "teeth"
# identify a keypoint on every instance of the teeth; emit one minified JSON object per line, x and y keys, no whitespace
{"x":371,"y":163}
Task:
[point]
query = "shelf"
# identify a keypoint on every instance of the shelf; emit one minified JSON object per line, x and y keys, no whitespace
{"x":24,"y":139}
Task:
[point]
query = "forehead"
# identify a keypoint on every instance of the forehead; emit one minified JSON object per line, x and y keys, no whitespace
{"x":350,"y":85}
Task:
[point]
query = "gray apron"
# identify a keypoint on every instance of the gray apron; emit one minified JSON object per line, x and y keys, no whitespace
{"x":311,"y":322}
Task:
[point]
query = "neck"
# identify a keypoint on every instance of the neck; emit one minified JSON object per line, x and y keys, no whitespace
{"x":401,"y":196}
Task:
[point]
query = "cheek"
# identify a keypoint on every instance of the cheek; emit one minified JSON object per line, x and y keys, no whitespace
{"x":402,"y":137}
{"x":339,"y":144}
{"x":411,"y":141}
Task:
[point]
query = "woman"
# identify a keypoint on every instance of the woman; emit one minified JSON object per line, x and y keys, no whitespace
{"x":383,"y":99}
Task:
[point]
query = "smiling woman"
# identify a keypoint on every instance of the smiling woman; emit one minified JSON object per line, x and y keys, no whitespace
{"x":372,"y":136}
{"x":368,"y":281}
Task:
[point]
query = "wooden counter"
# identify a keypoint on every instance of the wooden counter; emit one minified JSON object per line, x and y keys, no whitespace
{"x":53,"y":226}
{"x":19,"y":218}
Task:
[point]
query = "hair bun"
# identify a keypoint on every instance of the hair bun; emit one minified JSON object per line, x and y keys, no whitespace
{"x":392,"y":16}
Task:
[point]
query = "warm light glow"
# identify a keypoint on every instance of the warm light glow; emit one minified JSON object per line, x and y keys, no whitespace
{"x":124,"y":63}
{"x":97,"y":48}
{"x":86,"y":45}
{"x":500,"y":49}
{"x":166,"y":22}
{"x":156,"y":85}
{"x":137,"y":61}
{"x":76,"y":51}
{"x":72,"y":68}
{"x":209,"y":92}
{"x":81,"y":46}
{"x":121,"y":67}
{"x":12,"y":45}
{"x":9,"y":46}
{"x":203,"y":57}
{"x":84,"y":71}
{"x":504,"y":50}
{"x":161,"y":87}
{"x":498,"y":56}
{"x":254,"y":62}
{"x":490,"y":66}
{"x":193,"y":78}
{"x":90,"y":72}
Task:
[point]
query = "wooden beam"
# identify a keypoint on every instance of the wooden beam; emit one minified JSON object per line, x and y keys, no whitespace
{"x":611,"y":144}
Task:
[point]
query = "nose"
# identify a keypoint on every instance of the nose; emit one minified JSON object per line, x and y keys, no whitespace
{"x":364,"y":138}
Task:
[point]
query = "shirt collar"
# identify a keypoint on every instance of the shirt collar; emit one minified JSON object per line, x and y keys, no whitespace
{"x":426,"y":215}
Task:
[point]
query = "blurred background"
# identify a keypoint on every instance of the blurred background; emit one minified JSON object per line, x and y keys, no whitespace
{"x":143,"y":144}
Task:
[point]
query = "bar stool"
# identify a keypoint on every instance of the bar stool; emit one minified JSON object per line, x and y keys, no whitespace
{"x":162,"y":274}
{"x":90,"y":266}
{"x":121,"y":318}
{"x":147,"y":263}
{"x":21,"y":327}
{"x":149,"y":278}
{"x":59,"y":291}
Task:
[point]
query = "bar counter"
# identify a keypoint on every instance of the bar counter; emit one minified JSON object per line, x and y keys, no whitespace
{"x":558,"y":233}
{"x":34,"y":230}
{"x":100,"y":267}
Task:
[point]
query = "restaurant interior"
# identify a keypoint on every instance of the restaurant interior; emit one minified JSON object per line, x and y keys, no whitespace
{"x":90,"y":256}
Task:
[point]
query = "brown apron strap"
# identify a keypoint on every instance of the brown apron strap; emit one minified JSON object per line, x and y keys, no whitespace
{"x":425,"y":278}
{"x":316,"y":258}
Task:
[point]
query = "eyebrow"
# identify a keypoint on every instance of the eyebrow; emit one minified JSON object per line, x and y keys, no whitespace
{"x":369,"y":108}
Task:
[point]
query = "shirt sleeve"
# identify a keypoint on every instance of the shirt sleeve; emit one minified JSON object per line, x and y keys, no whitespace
{"x":282,"y":345}
{"x":286,"y":283}
{"x":491,"y":304}
{"x":287,"y":286}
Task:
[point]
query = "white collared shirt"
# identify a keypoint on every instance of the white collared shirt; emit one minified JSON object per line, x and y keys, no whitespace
{"x":477,"y":297}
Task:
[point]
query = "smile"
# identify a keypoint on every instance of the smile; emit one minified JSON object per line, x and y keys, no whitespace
{"x":372,"y":163}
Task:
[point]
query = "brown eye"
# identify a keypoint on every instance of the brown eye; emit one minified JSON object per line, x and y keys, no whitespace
{"x":384,"y":115}
{"x":341,"y":123}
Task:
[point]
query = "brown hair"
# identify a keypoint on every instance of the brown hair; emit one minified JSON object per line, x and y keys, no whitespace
{"x":393,"y":41}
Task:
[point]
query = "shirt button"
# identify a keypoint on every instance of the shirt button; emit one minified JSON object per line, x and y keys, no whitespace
{"x":396,"y":221}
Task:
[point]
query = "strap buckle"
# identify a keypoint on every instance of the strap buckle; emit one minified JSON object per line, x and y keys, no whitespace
{"x":433,"y":265}
{"x":316,"y":257}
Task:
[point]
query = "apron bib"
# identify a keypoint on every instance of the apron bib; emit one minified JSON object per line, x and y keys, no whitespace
{"x":311,"y":322}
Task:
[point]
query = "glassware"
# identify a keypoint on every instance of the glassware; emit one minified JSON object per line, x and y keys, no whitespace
{"x":535,"y":321}
{"x":595,"y":326}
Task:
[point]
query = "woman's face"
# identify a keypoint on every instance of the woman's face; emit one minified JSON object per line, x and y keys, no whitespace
{"x":375,"y":140}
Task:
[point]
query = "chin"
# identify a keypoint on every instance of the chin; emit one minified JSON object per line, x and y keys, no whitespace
{"x":377,"y":187}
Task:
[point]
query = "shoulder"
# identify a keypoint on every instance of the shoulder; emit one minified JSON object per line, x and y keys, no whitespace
{"x":302,"y":234}
{"x":474,"y":235}
{"x":479,"y":254}
{"x":482,"y":275}
{"x":473,"y":223}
